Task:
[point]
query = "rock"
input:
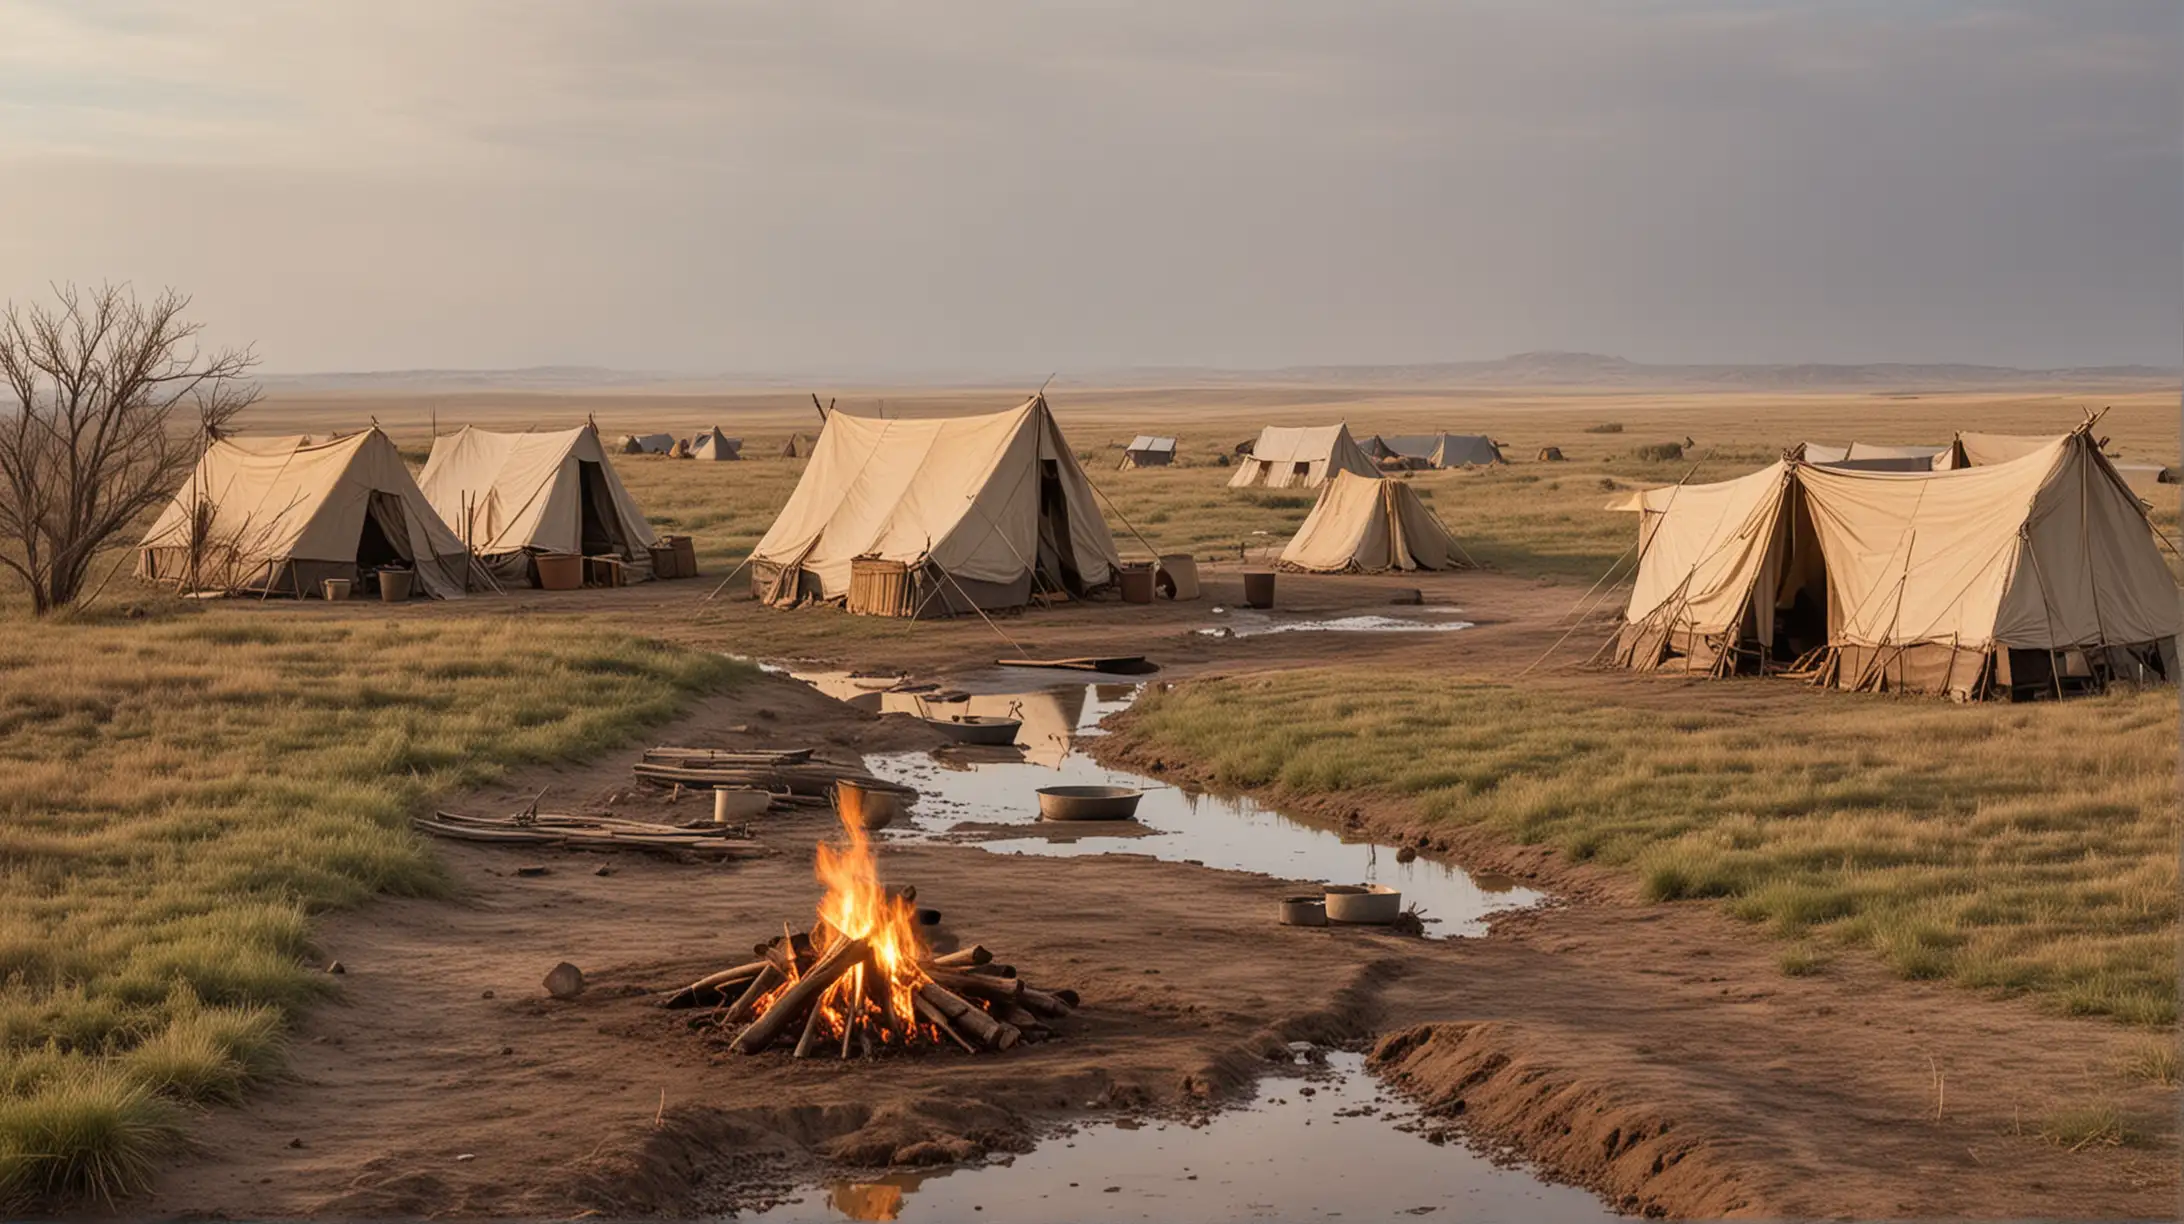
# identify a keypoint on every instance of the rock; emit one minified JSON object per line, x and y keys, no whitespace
{"x":565,"y":981}
{"x":506,"y":1050}
{"x":1406,"y":854}
{"x":1409,"y":596}
{"x":337,"y":967}
{"x":532,"y":869}
{"x":603,"y":871}
{"x":485,"y":994}
{"x":295,"y":1143}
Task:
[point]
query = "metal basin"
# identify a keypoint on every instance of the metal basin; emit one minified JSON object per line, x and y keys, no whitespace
{"x":1363,"y":904}
{"x":978,"y":728}
{"x":1088,"y":802}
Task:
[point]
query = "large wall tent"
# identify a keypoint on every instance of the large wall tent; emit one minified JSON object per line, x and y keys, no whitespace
{"x":716,"y":446}
{"x":1369,"y":524}
{"x":937,"y":515}
{"x":1300,"y":457}
{"x":2037,"y":575}
{"x":1434,"y":450}
{"x":279,"y":515}
{"x":645,"y":444}
{"x":511,"y":496}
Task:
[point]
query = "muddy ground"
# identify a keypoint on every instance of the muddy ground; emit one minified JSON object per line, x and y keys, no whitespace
{"x":1651,"y":1052}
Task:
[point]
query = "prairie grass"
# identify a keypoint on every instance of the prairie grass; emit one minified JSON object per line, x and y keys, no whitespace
{"x":2018,"y":849}
{"x":178,"y":795}
{"x":2077,"y":1127}
{"x":2155,"y":1061}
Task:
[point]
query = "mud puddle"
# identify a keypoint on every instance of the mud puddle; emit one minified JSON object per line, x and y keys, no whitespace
{"x":988,"y":797}
{"x":1335,"y":1146}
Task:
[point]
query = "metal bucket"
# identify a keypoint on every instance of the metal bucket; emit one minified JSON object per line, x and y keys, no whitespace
{"x":1363,"y":904}
{"x":394,"y":585}
{"x":871,"y":805}
{"x":1137,"y":583}
{"x":1259,"y":588}
{"x":733,"y":803}
{"x":335,"y":588}
{"x":1303,"y":911}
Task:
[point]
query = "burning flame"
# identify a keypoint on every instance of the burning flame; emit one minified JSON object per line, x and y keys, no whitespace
{"x":858,"y":906}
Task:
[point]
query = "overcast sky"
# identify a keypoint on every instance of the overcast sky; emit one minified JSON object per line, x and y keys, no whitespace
{"x":1003,"y":187}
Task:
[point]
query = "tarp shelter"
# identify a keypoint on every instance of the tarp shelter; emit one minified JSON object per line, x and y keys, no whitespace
{"x":2035,"y":575}
{"x":1366,"y":524}
{"x":645,"y":444}
{"x":1146,"y":450}
{"x":948,"y":513}
{"x":797,"y":447}
{"x":1871,"y":457}
{"x":1300,"y":457}
{"x":515,"y":495}
{"x":716,"y":446}
{"x":1436,"y":450}
{"x":281,"y":514}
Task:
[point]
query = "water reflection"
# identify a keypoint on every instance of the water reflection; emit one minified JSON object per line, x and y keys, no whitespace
{"x":1340,"y":1146}
{"x":1244,"y":622}
{"x":988,"y":797}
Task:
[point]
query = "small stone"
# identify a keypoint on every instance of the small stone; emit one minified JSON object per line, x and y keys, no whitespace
{"x":1308,"y":1090}
{"x":1406,"y":854}
{"x":1409,"y":597}
{"x":1112,"y":1190}
{"x":337,"y":967}
{"x":506,"y":1050}
{"x":295,"y":1143}
{"x":603,"y":871}
{"x":485,"y":994}
{"x":564,"y":981}
{"x":532,"y":870}
{"x":466,"y":1156}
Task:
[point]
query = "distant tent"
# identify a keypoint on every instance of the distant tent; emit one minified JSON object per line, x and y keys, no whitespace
{"x":2034,"y":575}
{"x":1146,"y":450}
{"x":1435,"y":450}
{"x":646,"y":444}
{"x":1868,"y":457}
{"x":281,"y":514}
{"x":717,"y":446}
{"x":937,"y":515}
{"x":681,"y":449}
{"x":797,"y":447}
{"x":1982,"y":450}
{"x":515,"y":495}
{"x":1550,"y":454}
{"x":1300,"y":458}
{"x":1368,"y":524}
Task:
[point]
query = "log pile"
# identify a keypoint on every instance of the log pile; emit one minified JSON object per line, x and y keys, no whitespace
{"x":793,"y":778}
{"x":593,"y":833}
{"x":828,"y":996}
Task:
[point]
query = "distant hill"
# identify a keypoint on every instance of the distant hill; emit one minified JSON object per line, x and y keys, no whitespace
{"x":1539,"y":369}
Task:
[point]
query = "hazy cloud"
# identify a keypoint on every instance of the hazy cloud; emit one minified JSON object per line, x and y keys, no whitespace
{"x":1015,"y":186}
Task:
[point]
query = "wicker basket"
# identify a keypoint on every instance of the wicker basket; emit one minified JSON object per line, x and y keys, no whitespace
{"x":881,"y":588}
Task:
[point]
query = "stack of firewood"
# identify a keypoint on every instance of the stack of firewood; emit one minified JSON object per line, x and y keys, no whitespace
{"x":965,"y":997}
{"x":534,"y":828}
{"x":794,"y":779}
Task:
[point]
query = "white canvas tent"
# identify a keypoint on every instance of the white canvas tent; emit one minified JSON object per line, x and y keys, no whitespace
{"x":716,"y":446}
{"x":1872,"y":457}
{"x":279,"y":515}
{"x":1300,"y":457}
{"x":645,"y":444}
{"x":1434,"y":450}
{"x":1145,"y":450}
{"x":512,"y":496}
{"x":937,"y":515}
{"x":1366,"y":524}
{"x":2037,"y":575}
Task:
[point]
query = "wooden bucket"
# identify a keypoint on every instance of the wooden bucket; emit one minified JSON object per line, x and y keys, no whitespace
{"x":880,"y":588}
{"x":686,"y":556}
{"x":559,"y":571}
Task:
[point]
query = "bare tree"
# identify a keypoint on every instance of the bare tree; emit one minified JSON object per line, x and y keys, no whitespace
{"x":113,"y":401}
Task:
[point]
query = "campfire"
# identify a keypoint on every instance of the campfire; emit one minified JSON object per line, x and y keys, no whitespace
{"x":862,"y":982}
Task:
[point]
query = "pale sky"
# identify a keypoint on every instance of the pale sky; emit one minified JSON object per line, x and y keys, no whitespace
{"x":1007,"y":186}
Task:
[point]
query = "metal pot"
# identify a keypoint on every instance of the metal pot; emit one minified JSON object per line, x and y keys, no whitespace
{"x":1363,"y":904}
{"x":978,"y":728}
{"x":1088,"y":802}
{"x":871,"y":805}
{"x":1303,"y":911}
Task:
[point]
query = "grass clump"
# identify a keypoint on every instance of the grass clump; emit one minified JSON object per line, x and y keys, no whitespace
{"x":1605,"y":427}
{"x":2155,"y":1061}
{"x":179,"y":795}
{"x":2078,"y":1127}
{"x":1659,"y":452}
{"x":2023,"y":850}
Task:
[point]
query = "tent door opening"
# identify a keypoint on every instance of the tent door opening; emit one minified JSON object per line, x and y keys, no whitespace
{"x":1057,"y":560}
{"x":383,"y":540}
{"x":600,"y":526}
{"x":1801,"y":594}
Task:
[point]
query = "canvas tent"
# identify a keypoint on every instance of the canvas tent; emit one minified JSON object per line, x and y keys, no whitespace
{"x":1434,"y":450}
{"x":2031,"y":576}
{"x":645,"y":444}
{"x":1300,"y":457}
{"x":512,"y":496}
{"x":1146,"y":450}
{"x":797,"y":447}
{"x":279,"y":515}
{"x":716,"y":446}
{"x":1366,"y":524}
{"x":937,"y":515}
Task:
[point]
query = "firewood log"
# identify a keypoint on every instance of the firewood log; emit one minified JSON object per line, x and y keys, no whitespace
{"x":993,"y":970}
{"x":976,"y":954}
{"x":761,"y":1032}
{"x":969,"y":1017}
{"x":1030,"y":1024}
{"x":807,"y":1044}
{"x":1042,"y":1003}
{"x":978,"y":986}
{"x":767,"y":979}
{"x":935,"y":1017}
{"x":711,"y":990}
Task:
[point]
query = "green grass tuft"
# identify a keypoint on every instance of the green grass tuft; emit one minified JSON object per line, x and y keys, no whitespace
{"x":87,"y":1133}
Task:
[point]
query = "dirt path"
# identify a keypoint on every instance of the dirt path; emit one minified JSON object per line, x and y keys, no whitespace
{"x":1654,"y":1053}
